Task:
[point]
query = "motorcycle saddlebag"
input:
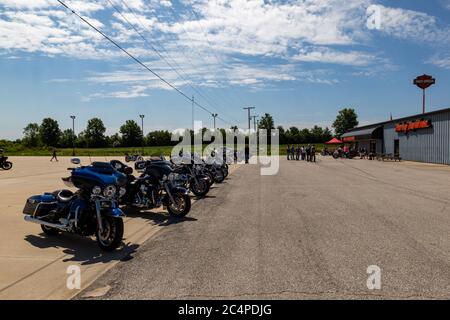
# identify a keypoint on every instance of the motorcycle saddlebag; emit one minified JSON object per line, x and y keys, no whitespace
{"x":40,"y":205}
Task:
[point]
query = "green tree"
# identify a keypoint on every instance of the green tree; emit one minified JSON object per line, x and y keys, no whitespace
{"x":266,"y":122}
{"x":66,"y":140}
{"x":49,"y":132}
{"x":131,"y":134}
{"x":95,"y":133}
{"x":31,"y":135}
{"x":159,"y":138}
{"x":327,"y":135}
{"x":346,"y":119}
{"x":115,"y":140}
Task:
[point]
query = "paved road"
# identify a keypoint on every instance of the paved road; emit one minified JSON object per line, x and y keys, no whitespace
{"x":309,"y":232}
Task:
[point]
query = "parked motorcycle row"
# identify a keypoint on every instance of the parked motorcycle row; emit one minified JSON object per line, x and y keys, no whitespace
{"x":103,"y":188}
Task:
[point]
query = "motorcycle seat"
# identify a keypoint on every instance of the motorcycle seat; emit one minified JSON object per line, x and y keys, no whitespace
{"x":64,"y":195}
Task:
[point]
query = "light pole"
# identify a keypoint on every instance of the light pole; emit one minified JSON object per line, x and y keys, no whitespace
{"x":214,"y":115}
{"x":249,"y":117}
{"x":142,"y":126}
{"x":254,"y":121}
{"x":73,"y":135}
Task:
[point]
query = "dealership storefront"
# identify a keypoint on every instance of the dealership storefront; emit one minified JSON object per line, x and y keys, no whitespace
{"x":423,"y":137}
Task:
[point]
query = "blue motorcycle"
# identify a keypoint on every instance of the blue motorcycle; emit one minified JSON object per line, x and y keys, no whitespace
{"x":92,"y":209}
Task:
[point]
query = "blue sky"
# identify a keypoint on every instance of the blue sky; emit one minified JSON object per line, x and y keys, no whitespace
{"x":301,"y":61}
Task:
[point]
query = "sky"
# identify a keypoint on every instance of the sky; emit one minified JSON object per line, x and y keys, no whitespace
{"x":301,"y":61}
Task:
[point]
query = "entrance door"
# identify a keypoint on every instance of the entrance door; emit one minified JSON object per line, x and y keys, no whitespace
{"x":396,"y":147}
{"x":373,"y":147}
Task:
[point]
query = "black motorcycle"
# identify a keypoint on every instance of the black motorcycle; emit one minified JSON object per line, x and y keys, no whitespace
{"x":4,"y":164}
{"x":92,"y":209}
{"x":199,"y":184}
{"x":157,"y":186}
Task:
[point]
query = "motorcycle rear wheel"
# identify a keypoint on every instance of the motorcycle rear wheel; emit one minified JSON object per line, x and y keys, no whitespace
{"x":182,"y":206}
{"x":7,"y":165}
{"x":112,"y":234}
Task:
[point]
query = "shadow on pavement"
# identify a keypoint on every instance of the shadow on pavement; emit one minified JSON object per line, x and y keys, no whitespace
{"x":81,"y":249}
{"x":160,"y":219}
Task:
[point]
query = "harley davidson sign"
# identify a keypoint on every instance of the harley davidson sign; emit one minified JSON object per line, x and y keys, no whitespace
{"x":424,"y":81}
{"x":408,"y":126}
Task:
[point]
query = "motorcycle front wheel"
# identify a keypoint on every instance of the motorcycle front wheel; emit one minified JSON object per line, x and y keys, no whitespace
{"x":219,"y":176}
{"x":112,"y":234}
{"x":199,"y":189}
{"x":181,"y":207}
{"x":225,"y":170}
{"x":7,"y":165}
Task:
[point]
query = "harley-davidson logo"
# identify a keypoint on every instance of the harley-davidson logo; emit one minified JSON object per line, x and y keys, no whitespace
{"x":408,"y":126}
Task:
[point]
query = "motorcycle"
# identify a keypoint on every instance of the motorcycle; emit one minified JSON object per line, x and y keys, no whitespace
{"x":197,"y":183}
{"x":157,"y":186}
{"x":216,"y":170}
{"x":134,"y":157}
{"x":92,"y":209}
{"x":4,"y":164}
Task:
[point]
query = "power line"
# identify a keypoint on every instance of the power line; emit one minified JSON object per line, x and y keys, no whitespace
{"x":204,"y":96}
{"x":183,"y":77}
{"x":136,"y":59}
{"x":205,"y":34}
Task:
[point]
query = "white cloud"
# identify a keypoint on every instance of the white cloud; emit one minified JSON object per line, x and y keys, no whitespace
{"x":413,"y":25}
{"x":249,"y":43}
{"x":441,"y":61}
{"x":328,"y":55}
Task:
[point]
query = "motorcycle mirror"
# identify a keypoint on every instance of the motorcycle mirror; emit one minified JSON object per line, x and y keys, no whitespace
{"x":75,"y":161}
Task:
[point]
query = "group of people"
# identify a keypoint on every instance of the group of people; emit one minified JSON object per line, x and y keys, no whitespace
{"x":303,"y":153}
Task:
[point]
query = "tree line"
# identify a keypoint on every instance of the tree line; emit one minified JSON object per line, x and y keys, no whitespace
{"x":49,"y":134}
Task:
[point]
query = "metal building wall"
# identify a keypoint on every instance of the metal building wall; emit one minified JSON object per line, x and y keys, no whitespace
{"x":430,"y":145}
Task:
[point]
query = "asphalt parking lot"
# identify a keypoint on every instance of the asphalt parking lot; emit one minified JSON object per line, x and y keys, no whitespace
{"x":309,"y":232}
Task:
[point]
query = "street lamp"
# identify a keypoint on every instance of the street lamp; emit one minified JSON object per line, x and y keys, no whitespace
{"x":254,"y":121}
{"x":249,"y":117}
{"x":142,"y":126}
{"x":214,"y":115}
{"x":73,"y":135}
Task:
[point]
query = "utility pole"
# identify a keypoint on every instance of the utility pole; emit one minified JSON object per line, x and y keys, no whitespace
{"x":142,"y":116}
{"x":249,"y":117}
{"x":73,"y":135}
{"x":254,"y":121}
{"x":193,"y":103}
{"x":214,"y":115}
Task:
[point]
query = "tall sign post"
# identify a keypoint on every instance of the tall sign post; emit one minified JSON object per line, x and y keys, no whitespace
{"x":423,"y":82}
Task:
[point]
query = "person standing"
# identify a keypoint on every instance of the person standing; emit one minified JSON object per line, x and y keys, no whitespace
{"x":54,"y":156}
{"x":297,"y":153}
{"x":302,"y":151}
{"x":288,"y":151}
{"x":313,"y":153}
{"x":308,"y":153}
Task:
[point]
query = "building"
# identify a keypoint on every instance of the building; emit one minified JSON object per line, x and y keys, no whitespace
{"x":423,"y":137}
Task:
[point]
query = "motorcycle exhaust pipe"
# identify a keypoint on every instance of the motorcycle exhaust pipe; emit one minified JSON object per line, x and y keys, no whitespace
{"x":45,"y":223}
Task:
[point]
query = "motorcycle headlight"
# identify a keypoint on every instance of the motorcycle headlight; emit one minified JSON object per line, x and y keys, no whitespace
{"x":96,"y":190}
{"x":110,"y":191}
{"x":122,"y":191}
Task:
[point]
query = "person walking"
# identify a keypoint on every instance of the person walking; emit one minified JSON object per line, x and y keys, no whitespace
{"x":313,"y":153}
{"x":288,"y":151}
{"x":54,"y":156}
